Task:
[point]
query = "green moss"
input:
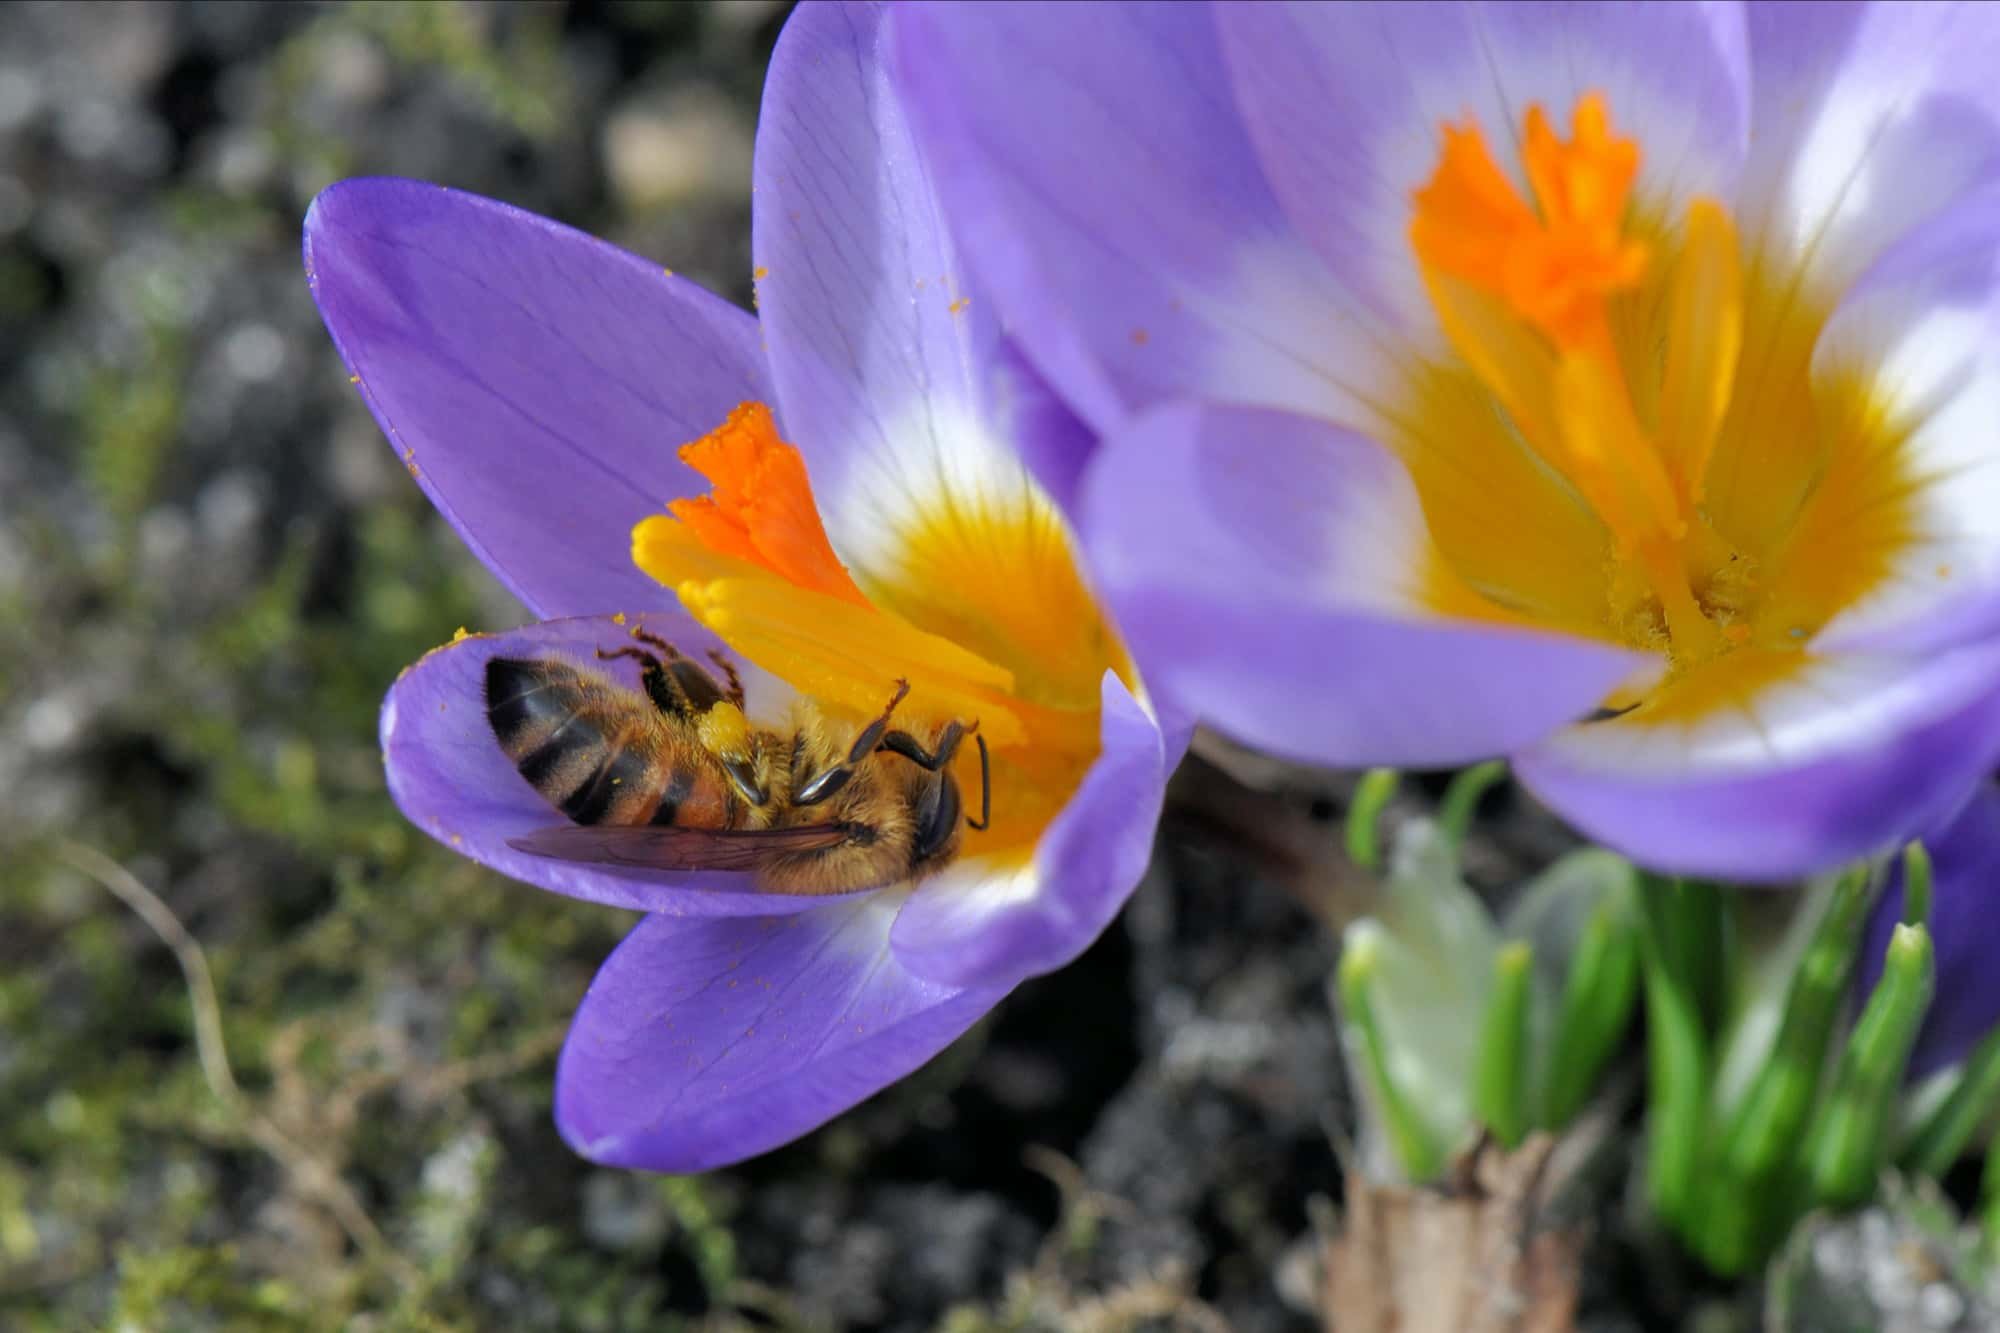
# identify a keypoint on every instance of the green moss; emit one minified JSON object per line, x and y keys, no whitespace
{"x":689,"y":1202}
{"x":127,"y":419}
{"x":506,"y":62}
{"x":389,"y":1009}
{"x":192,"y":1286}
{"x":519,"y":77}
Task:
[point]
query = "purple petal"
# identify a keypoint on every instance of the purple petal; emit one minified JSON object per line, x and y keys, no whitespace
{"x":1345,"y":102}
{"x":1052,"y":441}
{"x":1100,"y":183}
{"x":1259,"y":566}
{"x":1867,"y":119}
{"x":1965,"y":855}
{"x":970,"y":926}
{"x":534,"y":380}
{"x":1923,"y":326}
{"x":702,"y":1043}
{"x":450,"y":777}
{"x":1854,"y":757}
{"x":882,"y":353}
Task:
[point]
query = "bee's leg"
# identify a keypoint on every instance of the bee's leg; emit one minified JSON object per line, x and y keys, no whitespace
{"x":677,"y":687}
{"x":985,"y":820}
{"x":734,"y":692}
{"x":646,"y":636}
{"x":698,"y":690}
{"x":696,"y":686}
{"x":931,"y":760}
{"x":908,"y":746}
{"x":833,"y":779}
{"x":871,"y":735}
{"x":651,"y":673}
{"x":663,"y":679}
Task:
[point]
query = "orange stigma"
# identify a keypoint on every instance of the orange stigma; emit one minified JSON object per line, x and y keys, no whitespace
{"x":761,"y":508}
{"x":1555,"y":269}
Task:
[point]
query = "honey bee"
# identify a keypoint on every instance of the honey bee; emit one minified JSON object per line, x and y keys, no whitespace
{"x":676,"y":778}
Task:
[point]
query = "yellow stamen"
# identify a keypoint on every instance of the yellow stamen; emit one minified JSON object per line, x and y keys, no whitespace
{"x":1614,"y":464}
{"x":997,"y":575}
{"x":1626,"y":483}
{"x":840,"y":653}
{"x":675,"y":553}
{"x":837,"y":650}
{"x":1704,"y":342}
{"x":1515,"y":365}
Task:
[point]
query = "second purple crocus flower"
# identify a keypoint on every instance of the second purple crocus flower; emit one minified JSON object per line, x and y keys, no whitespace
{"x":1610,"y":387}
{"x":537,"y":384}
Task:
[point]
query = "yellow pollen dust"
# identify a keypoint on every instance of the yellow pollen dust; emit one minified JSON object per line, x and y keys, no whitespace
{"x":1663,"y":468}
{"x":751,"y":560}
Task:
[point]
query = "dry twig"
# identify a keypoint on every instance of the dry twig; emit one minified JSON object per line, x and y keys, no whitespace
{"x":313,"y":1177}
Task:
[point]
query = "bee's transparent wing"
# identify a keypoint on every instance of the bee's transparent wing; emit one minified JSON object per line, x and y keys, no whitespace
{"x":671,"y":847}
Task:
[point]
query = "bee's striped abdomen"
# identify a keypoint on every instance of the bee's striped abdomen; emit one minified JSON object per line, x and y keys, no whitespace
{"x":541,"y":715}
{"x":577,"y":744}
{"x":616,"y":788}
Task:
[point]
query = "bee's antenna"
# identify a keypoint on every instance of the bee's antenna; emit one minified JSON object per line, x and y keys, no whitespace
{"x":985,"y":820}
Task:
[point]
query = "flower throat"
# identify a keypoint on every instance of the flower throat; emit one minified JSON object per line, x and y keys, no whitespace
{"x":752,"y":561}
{"x":1737,"y":500}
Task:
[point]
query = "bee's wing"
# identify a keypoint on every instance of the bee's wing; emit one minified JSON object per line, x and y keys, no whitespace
{"x":672,"y":847}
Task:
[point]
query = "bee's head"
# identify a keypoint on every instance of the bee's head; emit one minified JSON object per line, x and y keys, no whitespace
{"x":937,"y":810}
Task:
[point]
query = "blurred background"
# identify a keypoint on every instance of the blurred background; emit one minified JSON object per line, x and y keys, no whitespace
{"x":211,"y":567}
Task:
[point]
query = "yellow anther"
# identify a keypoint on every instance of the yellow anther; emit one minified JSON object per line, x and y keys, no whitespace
{"x":1704,"y":341}
{"x":1612,"y":461}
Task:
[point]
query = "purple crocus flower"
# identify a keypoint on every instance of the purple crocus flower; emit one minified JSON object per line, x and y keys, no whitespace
{"x":537,"y":382}
{"x":1609,"y":387}
{"x":1965,"y":884}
